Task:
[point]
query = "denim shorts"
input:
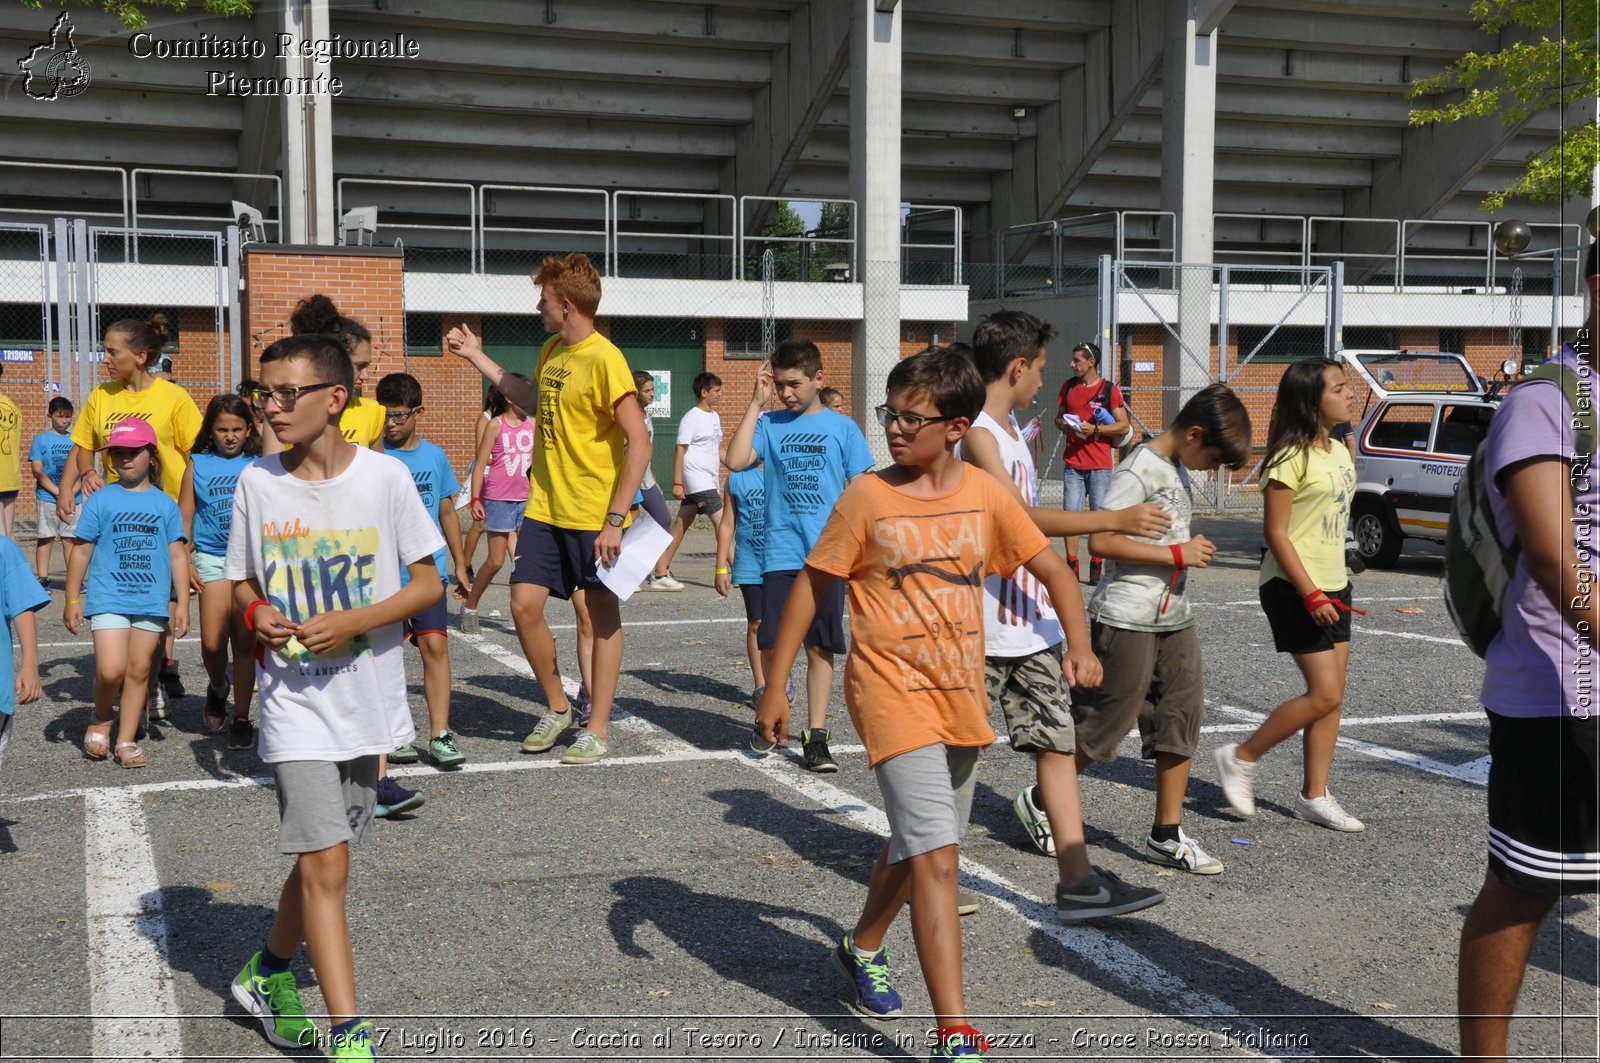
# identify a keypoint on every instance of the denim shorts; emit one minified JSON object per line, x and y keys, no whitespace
{"x":208,"y":565}
{"x":1077,"y":483}
{"x":503,"y":515}
{"x":123,"y":621}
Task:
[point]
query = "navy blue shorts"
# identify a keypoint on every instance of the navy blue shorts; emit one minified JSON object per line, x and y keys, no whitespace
{"x":435,"y":618}
{"x":560,"y":559}
{"x":827,"y":629}
{"x":754,"y":595}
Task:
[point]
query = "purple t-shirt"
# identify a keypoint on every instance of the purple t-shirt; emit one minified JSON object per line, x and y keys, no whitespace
{"x":1536,"y":666}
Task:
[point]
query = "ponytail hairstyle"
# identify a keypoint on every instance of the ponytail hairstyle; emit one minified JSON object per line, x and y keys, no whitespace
{"x":1296,"y":417}
{"x":147,"y":336}
{"x":318,"y":314}
{"x":229,"y":403}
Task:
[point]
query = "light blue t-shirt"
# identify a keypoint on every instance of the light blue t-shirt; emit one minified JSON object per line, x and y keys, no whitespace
{"x":19,"y":593}
{"x":50,"y":450}
{"x":214,"y":480}
{"x":131,"y":570}
{"x":748,"y":489}
{"x":809,"y":458}
{"x":436,"y":480}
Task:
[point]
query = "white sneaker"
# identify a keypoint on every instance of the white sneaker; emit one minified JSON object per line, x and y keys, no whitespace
{"x":1033,"y":818}
{"x":469,"y":621}
{"x":1324,"y":811}
{"x":663,"y":583}
{"x":156,"y":708}
{"x":1184,"y":854}
{"x":1238,"y":780}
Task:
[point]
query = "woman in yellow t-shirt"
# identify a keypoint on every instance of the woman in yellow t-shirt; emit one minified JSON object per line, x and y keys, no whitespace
{"x":362,"y":420}
{"x":1306,"y":489}
{"x":131,"y":349}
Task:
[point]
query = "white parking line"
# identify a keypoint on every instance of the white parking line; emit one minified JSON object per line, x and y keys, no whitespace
{"x":130,"y":981}
{"x":1475,"y":772}
{"x":1437,"y":639}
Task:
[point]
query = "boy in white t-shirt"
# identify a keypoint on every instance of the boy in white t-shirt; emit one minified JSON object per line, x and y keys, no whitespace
{"x":320,"y":534}
{"x":1025,"y":633}
{"x":696,"y":473}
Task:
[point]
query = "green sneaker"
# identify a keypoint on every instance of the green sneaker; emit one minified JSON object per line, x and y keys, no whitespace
{"x":406,"y":754}
{"x":444,"y":752}
{"x":550,"y":727}
{"x":589,"y":748}
{"x":275,"y":1000}
{"x":355,"y":1045}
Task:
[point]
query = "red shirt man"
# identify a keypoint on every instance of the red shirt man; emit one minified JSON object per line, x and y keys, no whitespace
{"x":1089,"y":457}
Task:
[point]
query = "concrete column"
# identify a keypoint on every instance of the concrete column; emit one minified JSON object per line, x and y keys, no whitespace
{"x":875,"y":38}
{"x":1188,"y":146}
{"x":308,"y":135}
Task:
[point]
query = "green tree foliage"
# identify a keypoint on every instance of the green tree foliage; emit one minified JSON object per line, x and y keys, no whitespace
{"x":786,"y":221}
{"x":1557,"y":66}
{"x":132,"y":16}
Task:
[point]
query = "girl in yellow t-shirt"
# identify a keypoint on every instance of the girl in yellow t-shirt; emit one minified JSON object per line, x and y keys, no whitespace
{"x":362,"y":420}
{"x":131,"y":349}
{"x":1306,"y":488}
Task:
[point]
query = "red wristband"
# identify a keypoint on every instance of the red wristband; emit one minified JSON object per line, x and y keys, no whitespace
{"x":1177,"y":555}
{"x":1317,"y":599}
{"x":250,"y":613}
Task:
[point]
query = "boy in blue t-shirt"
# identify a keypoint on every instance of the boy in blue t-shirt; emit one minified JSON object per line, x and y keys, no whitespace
{"x":739,"y":553}
{"x":19,"y":597}
{"x":47,"y":457}
{"x":401,"y":397}
{"x":810,"y":454}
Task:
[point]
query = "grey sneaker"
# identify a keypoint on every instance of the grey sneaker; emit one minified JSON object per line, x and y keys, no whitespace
{"x":1099,"y":894}
{"x":406,"y":754}
{"x":1238,"y":780}
{"x":469,"y":621}
{"x":589,"y":748}
{"x":1034,"y":820}
{"x":549,"y":729}
{"x":1324,"y":811}
{"x":1184,"y":854}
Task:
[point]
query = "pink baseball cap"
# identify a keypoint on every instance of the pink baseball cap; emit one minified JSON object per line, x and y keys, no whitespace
{"x":131,"y":432}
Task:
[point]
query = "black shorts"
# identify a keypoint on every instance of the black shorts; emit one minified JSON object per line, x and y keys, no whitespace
{"x":754,"y":597}
{"x":1293,"y":630}
{"x":1544,"y":784}
{"x":827,"y":629}
{"x":710,"y":502}
{"x":435,"y":619}
{"x":560,"y":559}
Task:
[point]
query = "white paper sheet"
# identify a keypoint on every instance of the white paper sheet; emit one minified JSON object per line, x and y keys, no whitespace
{"x":642,"y":546}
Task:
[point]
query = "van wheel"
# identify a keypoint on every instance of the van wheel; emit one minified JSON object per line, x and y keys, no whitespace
{"x":1378,"y":536}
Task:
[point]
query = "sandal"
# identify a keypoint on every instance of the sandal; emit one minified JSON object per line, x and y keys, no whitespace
{"x":129,"y":755}
{"x":97,"y":744}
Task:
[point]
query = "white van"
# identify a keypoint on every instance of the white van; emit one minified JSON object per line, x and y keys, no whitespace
{"x":1424,"y":414}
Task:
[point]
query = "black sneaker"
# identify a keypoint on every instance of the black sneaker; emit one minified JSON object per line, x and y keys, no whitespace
{"x":814,"y":752}
{"x":241,"y":735}
{"x":394,"y":799}
{"x":1099,"y":894}
{"x":214,"y":717}
{"x":44,"y":581}
{"x":170,"y":682}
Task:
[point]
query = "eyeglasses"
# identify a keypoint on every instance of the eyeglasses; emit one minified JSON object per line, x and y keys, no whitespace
{"x":400,"y":417}
{"x":284,"y":397}
{"x":910,"y":423}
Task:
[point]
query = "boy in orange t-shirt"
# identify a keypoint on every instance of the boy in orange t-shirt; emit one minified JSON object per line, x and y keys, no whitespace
{"x":915,"y":542}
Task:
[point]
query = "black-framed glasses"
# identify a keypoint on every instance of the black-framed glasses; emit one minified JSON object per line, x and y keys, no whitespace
{"x":400,"y":416}
{"x":284,"y":397}
{"x":910,"y":423}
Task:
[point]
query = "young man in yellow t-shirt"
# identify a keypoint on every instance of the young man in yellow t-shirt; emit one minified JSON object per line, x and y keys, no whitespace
{"x":590,"y":456}
{"x":915,"y":541}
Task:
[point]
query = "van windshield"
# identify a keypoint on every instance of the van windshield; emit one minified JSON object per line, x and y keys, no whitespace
{"x":1429,"y":371}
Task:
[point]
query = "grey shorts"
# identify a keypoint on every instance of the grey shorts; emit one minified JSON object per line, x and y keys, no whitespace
{"x":52,"y":526}
{"x":1033,"y":695}
{"x":323,"y":802}
{"x":1152,"y":679}
{"x":927,"y":795}
{"x":710,"y":502}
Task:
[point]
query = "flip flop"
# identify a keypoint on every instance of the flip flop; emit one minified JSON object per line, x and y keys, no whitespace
{"x":96,"y":745}
{"x":129,"y":755}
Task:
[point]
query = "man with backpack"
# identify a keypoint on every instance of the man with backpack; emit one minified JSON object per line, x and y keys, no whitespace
{"x":1092,"y":415}
{"x":1539,"y":683}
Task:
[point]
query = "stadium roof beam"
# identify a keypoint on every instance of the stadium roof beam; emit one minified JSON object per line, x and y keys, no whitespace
{"x":727,"y":25}
{"x":631,"y":136}
{"x":1414,"y":35}
{"x":991,"y":45}
{"x":515,"y":96}
{"x":785,"y":111}
{"x":1080,"y":16}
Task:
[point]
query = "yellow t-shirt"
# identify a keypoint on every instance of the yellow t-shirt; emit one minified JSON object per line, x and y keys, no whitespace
{"x":1323,"y":482}
{"x":578,"y":451}
{"x":164,"y":405}
{"x":916,"y":567}
{"x":10,"y":445}
{"x":361,"y":422}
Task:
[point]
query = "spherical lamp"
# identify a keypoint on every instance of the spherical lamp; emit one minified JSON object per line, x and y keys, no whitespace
{"x":1512,"y":237}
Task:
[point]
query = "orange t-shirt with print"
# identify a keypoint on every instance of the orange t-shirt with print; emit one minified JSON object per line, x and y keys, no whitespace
{"x":916,"y":566}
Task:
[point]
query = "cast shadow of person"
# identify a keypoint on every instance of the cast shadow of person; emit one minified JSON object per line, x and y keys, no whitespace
{"x":1562,"y":946}
{"x":818,"y":836}
{"x":736,"y":939}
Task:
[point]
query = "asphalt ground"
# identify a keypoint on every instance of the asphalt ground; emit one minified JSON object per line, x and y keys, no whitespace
{"x":680,"y":900}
